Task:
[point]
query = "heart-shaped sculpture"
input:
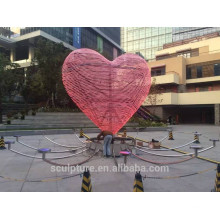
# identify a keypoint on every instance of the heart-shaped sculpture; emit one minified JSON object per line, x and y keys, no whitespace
{"x":108,"y":92}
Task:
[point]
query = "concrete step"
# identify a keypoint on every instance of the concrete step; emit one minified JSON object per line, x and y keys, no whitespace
{"x":60,"y":114}
{"x":50,"y":121}
{"x":54,"y":120}
{"x":46,"y":121}
{"x":45,"y":126}
{"x":76,"y":124}
{"x":56,"y":117}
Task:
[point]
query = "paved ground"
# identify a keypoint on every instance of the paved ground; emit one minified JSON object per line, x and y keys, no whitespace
{"x":19,"y":173}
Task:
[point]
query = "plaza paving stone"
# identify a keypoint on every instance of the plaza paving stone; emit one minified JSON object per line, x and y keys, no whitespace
{"x":19,"y":173}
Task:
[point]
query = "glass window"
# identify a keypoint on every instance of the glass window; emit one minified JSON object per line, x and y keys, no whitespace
{"x":136,"y":45}
{"x":148,"y":43}
{"x":142,"y":44}
{"x":148,"y":54}
{"x":99,"y":44}
{"x":21,"y":53}
{"x":158,"y":71}
{"x":161,"y":40}
{"x":199,"y":71}
{"x":181,"y":37}
{"x":136,"y":34}
{"x":125,"y":47}
{"x":168,"y":30}
{"x":130,"y":46}
{"x":175,"y":29}
{"x":193,"y":34}
{"x":154,"y":31}
{"x":125,"y":37}
{"x":148,"y":32}
{"x":162,"y":30}
{"x":188,"y":73}
{"x":177,"y":37}
{"x":130,"y":36}
{"x":217,"y":69}
{"x":142,"y":33}
{"x":205,"y":31}
{"x":168,"y":38}
{"x":154,"y":41}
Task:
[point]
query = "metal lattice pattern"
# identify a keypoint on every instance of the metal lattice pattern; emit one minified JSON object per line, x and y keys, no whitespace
{"x":108,"y":92}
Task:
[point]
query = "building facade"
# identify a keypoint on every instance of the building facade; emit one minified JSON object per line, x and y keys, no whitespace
{"x":19,"y":43}
{"x":189,"y":77}
{"x":145,"y":40}
{"x":183,"y":33}
{"x":112,"y":32}
{"x":102,"y":39}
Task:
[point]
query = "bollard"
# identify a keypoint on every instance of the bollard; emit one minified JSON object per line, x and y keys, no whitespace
{"x":214,"y":141}
{"x":9,"y":143}
{"x":217,"y":180}
{"x":17,"y":137}
{"x":170,"y":135}
{"x":44,"y":151}
{"x":138,"y":184}
{"x":81,"y":134}
{"x":196,"y":148}
{"x":196,"y":137}
{"x":86,"y":182}
{"x":2,"y":143}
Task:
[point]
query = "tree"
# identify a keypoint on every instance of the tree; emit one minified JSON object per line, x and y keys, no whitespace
{"x":49,"y":58}
{"x":33,"y":90}
{"x":10,"y":79}
{"x":153,"y":97}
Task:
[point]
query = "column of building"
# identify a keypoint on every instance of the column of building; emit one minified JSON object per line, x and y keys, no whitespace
{"x":217,"y":114}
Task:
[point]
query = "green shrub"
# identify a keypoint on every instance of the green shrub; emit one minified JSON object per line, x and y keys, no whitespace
{"x":16,"y":116}
{"x":34,"y":110}
{"x":60,"y":110}
{"x":9,"y":115}
{"x":146,"y":123}
{"x":22,"y":115}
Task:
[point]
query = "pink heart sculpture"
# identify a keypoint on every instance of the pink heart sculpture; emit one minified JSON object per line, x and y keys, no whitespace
{"x":108,"y":92}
